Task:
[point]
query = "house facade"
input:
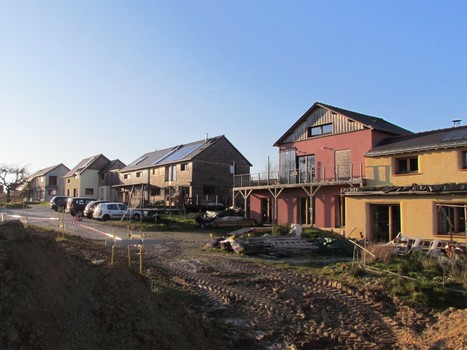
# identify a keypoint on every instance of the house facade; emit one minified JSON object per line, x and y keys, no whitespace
{"x":44,"y":184}
{"x":416,"y":185}
{"x":319,"y":156}
{"x":93,"y":177}
{"x":194,"y":174}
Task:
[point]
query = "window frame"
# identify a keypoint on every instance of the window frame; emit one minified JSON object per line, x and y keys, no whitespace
{"x":456,"y":213}
{"x":464,"y":160}
{"x":321,"y":130}
{"x":408,"y":165}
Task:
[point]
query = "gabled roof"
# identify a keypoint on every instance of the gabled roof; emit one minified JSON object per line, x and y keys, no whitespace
{"x":110,"y":166}
{"x":370,"y":122}
{"x":83,"y":165}
{"x":41,"y":172}
{"x":422,"y":141}
{"x":176,"y":154}
{"x":44,"y":171}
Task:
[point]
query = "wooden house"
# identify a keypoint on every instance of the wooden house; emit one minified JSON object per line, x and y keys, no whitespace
{"x":196,"y":174}
{"x":93,"y":177}
{"x":321,"y":154}
{"x":415,"y":184}
{"x":44,"y":184}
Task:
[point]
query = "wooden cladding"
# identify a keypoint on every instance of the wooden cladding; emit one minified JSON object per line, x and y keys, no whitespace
{"x":321,"y":116}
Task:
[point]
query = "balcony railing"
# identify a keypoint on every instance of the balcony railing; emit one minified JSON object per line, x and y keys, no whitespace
{"x":330,"y":174}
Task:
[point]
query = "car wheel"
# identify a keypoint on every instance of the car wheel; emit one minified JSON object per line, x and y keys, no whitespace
{"x":79,"y":213}
{"x":106,"y":217}
{"x":136,"y":217}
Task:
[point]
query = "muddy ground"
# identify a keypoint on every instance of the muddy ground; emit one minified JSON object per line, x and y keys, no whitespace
{"x":65,"y":294}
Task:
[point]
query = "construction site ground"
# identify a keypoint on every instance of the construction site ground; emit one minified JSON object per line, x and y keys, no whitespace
{"x":66,"y":294}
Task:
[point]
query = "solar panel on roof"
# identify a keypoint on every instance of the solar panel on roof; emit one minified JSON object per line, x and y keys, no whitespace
{"x":139,"y":160}
{"x":182,"y":153}
{"x":456,"y":135}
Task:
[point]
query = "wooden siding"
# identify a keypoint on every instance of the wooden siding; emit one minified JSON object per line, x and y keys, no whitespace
{"x":340,"y":125}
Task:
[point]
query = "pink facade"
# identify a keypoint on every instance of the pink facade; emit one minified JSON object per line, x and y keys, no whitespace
{"x":321,"y":154}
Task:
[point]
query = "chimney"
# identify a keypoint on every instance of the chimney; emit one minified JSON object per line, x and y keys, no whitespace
{"x":206,"y":137}
{"x":456,"y":123}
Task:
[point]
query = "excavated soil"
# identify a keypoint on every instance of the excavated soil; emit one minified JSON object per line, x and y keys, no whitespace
{"x":66,"y":294}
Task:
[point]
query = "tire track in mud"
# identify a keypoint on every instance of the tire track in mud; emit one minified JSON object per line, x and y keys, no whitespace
{"x":279,"y":306}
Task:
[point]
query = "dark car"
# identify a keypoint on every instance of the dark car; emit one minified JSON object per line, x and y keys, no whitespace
{"x":89,"y":209}
{"x":76,"y":205}
{"x":58,"y":203}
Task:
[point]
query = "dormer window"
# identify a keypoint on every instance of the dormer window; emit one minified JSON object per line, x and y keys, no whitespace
{"x":318,"y":130}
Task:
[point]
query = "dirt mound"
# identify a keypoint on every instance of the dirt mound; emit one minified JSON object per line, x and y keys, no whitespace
{"x":52,"y":297}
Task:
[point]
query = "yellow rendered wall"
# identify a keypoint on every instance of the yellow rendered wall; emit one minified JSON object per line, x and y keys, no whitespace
{"x":89,"y":179}
{"x":355,"y":216}
{"x":419,"y":214}
{"x":436,"y":167}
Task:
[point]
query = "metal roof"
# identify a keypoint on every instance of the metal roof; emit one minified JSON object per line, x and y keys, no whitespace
{"x":184,"y":152}
{"x":422,"y":141}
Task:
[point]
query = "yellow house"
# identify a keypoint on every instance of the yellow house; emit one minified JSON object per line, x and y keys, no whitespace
{"x":415,"y":184}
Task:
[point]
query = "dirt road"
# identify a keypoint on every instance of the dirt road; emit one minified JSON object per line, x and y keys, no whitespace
{"x":258,"y":304}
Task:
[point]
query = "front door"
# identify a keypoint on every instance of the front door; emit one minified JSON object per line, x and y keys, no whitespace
{"x":386,"y":222}
{"x":265,"y":211}
{"x":303,"y":211}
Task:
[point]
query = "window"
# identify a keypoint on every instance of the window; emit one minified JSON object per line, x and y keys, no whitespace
{"x":209,"y":190}
{"x":464,"y":160}
{"x":184,"y":167}
{"x":451,"y":218}
{"x":171,"y":173}
{"x":89,"y":191}
{"x":156,"y":171}
{"x":155,"y":191}
{"x":52,"y":180}
{"x":407,"y":165}
{"x":68,"y":181}
{"x":139,"y":174}
{"x":127,"y":176}
{"x":318,"y":130}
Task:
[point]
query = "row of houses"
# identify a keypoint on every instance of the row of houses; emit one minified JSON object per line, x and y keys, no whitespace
{"x":337,"y":169}
{"x":195,"y":174}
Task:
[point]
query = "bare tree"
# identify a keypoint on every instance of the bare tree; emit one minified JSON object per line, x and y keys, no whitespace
{"x":11,"y":177}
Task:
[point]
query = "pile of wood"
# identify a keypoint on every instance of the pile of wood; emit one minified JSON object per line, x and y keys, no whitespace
{"x":242,"y":241}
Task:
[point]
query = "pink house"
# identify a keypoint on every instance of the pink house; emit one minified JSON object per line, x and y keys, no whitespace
{"x":322,"y":153}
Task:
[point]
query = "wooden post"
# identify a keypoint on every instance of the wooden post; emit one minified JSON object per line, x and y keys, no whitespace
{"x":113,"y":248}
{"x":129,"y":254}
{"x":113,"y":255}
{"x":141,"y":259}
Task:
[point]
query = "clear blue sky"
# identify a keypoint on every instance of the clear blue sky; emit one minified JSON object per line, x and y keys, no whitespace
{"x":122,"y":78}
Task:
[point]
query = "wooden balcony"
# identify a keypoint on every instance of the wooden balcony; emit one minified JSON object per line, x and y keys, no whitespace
{"x":333,"y":175}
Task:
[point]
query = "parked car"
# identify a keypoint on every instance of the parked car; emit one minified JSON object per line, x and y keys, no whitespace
{"x":114,"y":210}
{"x":75,"y":205}
{"x":89,"y":209}
{"x":58,"y":203}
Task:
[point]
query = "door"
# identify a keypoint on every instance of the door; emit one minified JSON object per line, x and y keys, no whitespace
{"x":386,"y":222}
{"x":306,"y":168}
{"x":265,"y":211}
